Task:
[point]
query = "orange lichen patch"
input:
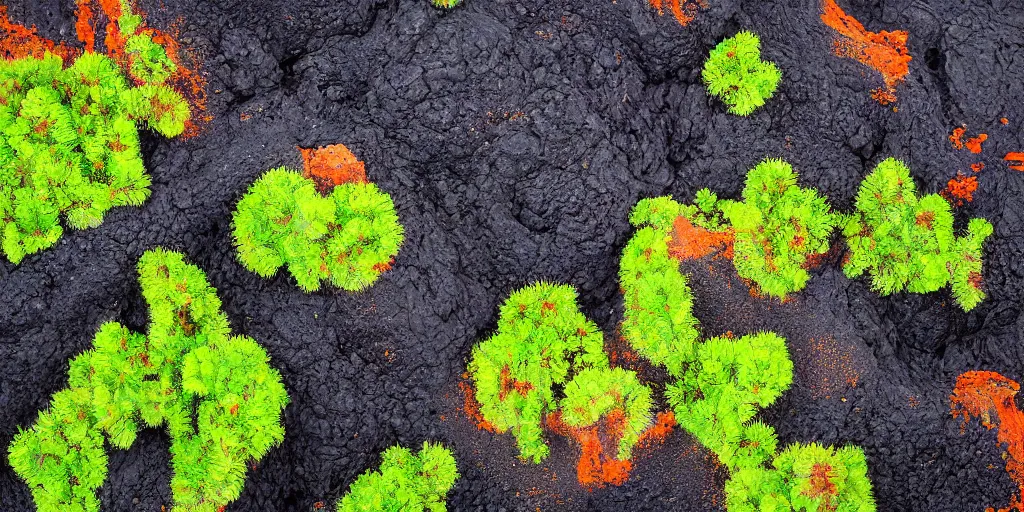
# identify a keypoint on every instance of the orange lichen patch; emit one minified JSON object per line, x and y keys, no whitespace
{"x":83,"y":26}
{"x":691,"y":242}
{"x":885,"y":52}
{"x":18,"y":41}
{"x":684,"y":10}
{"x":961,"y":188}
{"x":978,"y":166}
{"x":508,"y":385}
{"x":664,"y":423}
{"x":1016,"y":161}
{"x":472,"y":408}
{"x":957,"y":138}
{"x":331,"y":166}
{"x":974,"y":143}
{"x":981,"y":394}
{"x":1004,"y":121}
{"x":595,"y":468}
{"x":832,"y":367}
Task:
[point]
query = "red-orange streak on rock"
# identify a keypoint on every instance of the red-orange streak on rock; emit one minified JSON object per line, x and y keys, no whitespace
{"x":331,"y":166}
{"x":18,"y":41}
{"x":83,"y":26}
{"x":472,"y":407}
{"x":982,"y":394}
{"x":1015,"y":157}
{"x":683,"y":10}
{"x":885,"y":52}
{"x":692,"y":242}
{"x":957,"y":138}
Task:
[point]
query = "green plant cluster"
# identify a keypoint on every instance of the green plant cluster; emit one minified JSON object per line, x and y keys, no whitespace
{"x":216,"y":394}
{"x":777,"y":226}
{"x":348,"y":238}
{"x":735,"y":73}
{"x":907,"y":242}
{"x":70,"y":144}
{"x":658,"y":301}
{"x":805,"y":478}
{"x":595,"y":392}
{"x":720,"y":384}
{"x":543,"y":345}
{"x":446,"y":4}
{"x":404,"y":482}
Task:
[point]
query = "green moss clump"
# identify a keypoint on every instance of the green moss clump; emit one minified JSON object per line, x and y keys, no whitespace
{"x":542,"y":341}
{"x":70,"y":145}
{"x":777,"y":226}
{"x":908,"y":243}
{"x":404,"y":482}
{"x":735,"y":73}
{"x":348,"y":238}
{"x":658,"y":319}
{"x":804,"y":478}
{"x":446,"y":4}
{"x":217,"y":396}
{"x":717,"y":400}
{"x":596,"y":392}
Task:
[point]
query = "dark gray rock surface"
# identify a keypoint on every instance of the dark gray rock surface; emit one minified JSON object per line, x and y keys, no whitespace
{"x":515,"y":137}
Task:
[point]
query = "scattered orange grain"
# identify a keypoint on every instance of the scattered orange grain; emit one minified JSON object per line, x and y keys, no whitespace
{"x":472,"y":407}
{"x":885,"y":52}
{"x":981,"y":394}
{"x":331,"y":166}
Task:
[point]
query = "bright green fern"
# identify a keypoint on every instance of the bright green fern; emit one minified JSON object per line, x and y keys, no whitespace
{"x":596,"y":392}
{"x":906,"y":242}
{"x":348,"y":237}
{"x":735,"y":73}
{"x":777,"y":226}
{"x":216,"y":394}
{"x":404,"y":482}
{"x":70,"y":144}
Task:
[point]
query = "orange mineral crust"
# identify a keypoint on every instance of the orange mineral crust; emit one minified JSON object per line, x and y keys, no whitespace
{"x":885,"y":52}
{"x":989,"y":397}
{"x":962,"y":188}
{"x":691,"y":242}
{"x":683,"y":10}
{"x":18,"y":41}
{"x":331,"y":166}
{"x":1016,"y":161}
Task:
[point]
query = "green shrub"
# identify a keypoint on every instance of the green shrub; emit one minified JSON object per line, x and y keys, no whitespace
{"x":735,"y":73}
{"x":542,"y":340}
{"x":70,"y":145}
{"x":777,"y":226}
{"x":348,"y":237}
{"x":657,"y":319}
{"x":807,"y":478}
{"x":217,"y":395}
{"x":404,"y":482}
{"x":717,"y":399}
{"x":596,"y":392}
{"x":906,"y":242}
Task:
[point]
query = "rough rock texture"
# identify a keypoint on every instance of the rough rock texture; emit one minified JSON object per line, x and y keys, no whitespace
{"x":514,"y":138}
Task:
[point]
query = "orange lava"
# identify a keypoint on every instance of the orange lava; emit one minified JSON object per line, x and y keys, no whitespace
{"x":962,"y":188}
{"x":885,"y":52}
{"x":978,"y":167}
{"x":18,"y":41}
{"x":957,"y":138}
{"x":1016,"y":161}
{"x":691,"y":242}
{"x":982,"y":394}
{"x":472,"y":407}
{"x":684,"y":10}
{"x":331,"y":166}
{"x":974,"y":143}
